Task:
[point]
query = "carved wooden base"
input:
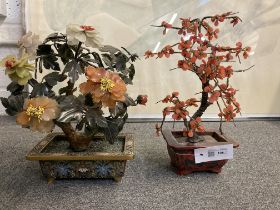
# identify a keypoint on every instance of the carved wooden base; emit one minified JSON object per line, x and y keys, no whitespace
{"x":182,"y":153}
{"x":185,"y":164}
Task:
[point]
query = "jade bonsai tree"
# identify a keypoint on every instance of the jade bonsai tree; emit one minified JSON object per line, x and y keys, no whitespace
{"x":202,"y":54}
{"x":78,"y":109}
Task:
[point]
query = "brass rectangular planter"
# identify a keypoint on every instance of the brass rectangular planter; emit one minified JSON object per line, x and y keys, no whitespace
{"x":62,"y":164}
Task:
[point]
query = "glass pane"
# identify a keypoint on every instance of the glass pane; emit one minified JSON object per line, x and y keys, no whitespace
{"x":128,"y":23}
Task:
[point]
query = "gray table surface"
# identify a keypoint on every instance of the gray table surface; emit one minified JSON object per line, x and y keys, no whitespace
{"x":250,"y":181}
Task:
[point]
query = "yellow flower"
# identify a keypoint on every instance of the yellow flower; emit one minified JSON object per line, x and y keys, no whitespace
{"x":17,"y":69}
{"x":106,"y":87}
{"x":38,"y":114}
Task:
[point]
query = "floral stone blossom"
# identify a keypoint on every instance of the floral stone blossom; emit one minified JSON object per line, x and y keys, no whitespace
{"x":106,"y":87}
{"x":17,"y":69}
{"x":142,"y":99}
{"x":28,"y":44}
{"x":38,"y":114}
{"x":85,"y":34}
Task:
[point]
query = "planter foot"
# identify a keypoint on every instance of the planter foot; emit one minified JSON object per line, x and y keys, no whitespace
{"x":50,"y":180}
{"x":217,"y":171}
{"x":117,"y":178}
{"x":183,"y":172}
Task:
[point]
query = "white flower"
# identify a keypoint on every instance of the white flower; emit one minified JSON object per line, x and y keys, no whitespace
{"x":28,"y":44}
{"x":85,"y":34}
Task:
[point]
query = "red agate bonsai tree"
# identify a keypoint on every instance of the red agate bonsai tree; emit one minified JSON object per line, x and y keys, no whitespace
{"x":203,"y":55}
{"x":76,"y":108}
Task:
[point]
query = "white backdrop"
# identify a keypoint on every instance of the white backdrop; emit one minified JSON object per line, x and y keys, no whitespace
{"x":127,"y":23}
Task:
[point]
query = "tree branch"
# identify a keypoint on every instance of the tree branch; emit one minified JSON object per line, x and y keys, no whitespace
{"x":221,"y":119}
{"x":243,"y":70}
{"x":204,"y":102}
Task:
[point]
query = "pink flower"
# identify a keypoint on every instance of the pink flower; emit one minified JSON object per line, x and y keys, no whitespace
{"x":105,"y":86}
{"x":228,"y":113}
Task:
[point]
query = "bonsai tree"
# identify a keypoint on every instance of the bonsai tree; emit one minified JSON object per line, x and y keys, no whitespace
{"x":78,"y":109}
{"x":201,"y":54}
